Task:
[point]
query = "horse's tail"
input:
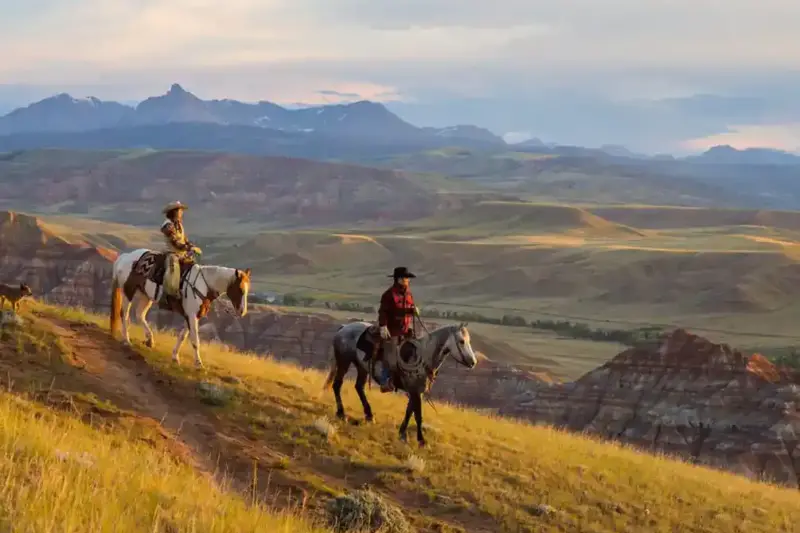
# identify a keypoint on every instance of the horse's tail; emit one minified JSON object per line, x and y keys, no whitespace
{"x":116,"y":304}
{"x":332,"y":373}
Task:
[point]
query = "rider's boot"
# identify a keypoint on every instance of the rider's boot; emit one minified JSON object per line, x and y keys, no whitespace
{"x":167,"y":299}
{"x":163,"y":302}
{"x":386,"y":379}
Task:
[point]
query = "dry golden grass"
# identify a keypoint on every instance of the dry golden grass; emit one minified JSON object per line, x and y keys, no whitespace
{"x":58,"y":474}
{"x":501,"y":474}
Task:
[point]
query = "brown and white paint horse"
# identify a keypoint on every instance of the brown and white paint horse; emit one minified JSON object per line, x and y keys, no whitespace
{"x":199,"y":288}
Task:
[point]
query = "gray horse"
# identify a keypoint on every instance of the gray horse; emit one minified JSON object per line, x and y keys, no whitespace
{"x":419,"y":361}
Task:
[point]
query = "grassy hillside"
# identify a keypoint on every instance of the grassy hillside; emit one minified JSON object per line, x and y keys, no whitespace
{"x":71,"y":461}
{"x":551,"y":258}
{"x":478,"y":473}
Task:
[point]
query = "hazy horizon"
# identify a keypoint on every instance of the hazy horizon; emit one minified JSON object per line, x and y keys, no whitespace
{"x":670,"y":77}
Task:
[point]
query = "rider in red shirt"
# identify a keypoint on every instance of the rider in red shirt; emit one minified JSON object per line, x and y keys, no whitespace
{"x":395,"y":318}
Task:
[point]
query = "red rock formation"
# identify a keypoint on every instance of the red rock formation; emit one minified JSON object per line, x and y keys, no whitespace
{"x":68,"y":273}
{"x":685,"y":396}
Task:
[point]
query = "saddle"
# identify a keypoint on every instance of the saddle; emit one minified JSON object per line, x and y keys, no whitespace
{"x":371,"y":338}
{"x":152,"y":266}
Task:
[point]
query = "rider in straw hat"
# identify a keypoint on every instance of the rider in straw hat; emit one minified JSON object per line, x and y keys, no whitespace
{"x":395,"y":318}
{"x":178,"y":247}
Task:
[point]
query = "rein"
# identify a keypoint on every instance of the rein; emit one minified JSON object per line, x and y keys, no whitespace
{"x":418,"y":318}
{"x":210,"y":294}
{"x":195,"y":289}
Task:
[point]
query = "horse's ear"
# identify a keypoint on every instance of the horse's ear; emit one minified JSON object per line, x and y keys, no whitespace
{"x":247,"y":271}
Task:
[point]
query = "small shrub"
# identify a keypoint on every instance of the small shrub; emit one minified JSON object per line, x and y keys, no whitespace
{"x":415,"y":463}
{"x":213,"y":394}
{"x":366,"y":511}
{"x":324,"y":426}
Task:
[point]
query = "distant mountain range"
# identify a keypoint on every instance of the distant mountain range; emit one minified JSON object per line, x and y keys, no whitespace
{"x":356,"y":131}
{"x":362,"y":121}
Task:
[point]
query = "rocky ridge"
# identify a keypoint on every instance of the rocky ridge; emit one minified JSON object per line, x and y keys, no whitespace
{"x":70,"y":273}
{"x":685,"y":396}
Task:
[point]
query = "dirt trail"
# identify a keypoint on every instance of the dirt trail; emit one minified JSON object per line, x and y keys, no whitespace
{"x":121,"y":375}
{"x":231,"y":453}
{"x":124,"y":372}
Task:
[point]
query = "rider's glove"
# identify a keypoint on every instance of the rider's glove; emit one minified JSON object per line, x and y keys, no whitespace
{"x":385,"y":332}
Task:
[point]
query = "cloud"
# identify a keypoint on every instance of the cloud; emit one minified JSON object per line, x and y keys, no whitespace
{"x":524,"y":34}
{"x":778,"y":136}
{"x":660,"y":71}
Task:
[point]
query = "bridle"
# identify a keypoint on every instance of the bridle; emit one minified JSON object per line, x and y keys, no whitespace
{"x":193,"y":286}
{"x":209,"y":290}
{"x":461,"y":359}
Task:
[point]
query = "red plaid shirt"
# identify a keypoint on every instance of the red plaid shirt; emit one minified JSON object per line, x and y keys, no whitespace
{"x":397,"y":311}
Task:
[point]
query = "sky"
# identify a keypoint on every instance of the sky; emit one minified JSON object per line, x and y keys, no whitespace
{"x":653,"y":75}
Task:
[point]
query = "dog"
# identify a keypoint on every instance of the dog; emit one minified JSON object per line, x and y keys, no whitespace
{"x":13,"y":294}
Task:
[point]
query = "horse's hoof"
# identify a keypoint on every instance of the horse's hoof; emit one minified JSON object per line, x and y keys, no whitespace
{"x":421,"y":443}
{"x":369,"y":420}
{"x":340,"y":415}
{"x":149,"y":343}
{"x":403,"y":438}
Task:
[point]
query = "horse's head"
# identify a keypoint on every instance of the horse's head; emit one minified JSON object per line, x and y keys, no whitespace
{"x":237,"y":290}
{"x":459,"y":347}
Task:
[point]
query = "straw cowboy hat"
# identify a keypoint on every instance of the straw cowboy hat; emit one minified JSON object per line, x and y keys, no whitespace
{"x":174,"y":205}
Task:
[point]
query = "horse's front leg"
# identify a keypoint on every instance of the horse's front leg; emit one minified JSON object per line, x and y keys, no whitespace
{"x":404,"y":425}
{"x":177,"y":350}
{"x":194,"y":336}
{"x":418,"y":416}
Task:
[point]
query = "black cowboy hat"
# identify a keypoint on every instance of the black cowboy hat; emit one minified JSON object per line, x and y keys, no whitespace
{"x":401,"y":272}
